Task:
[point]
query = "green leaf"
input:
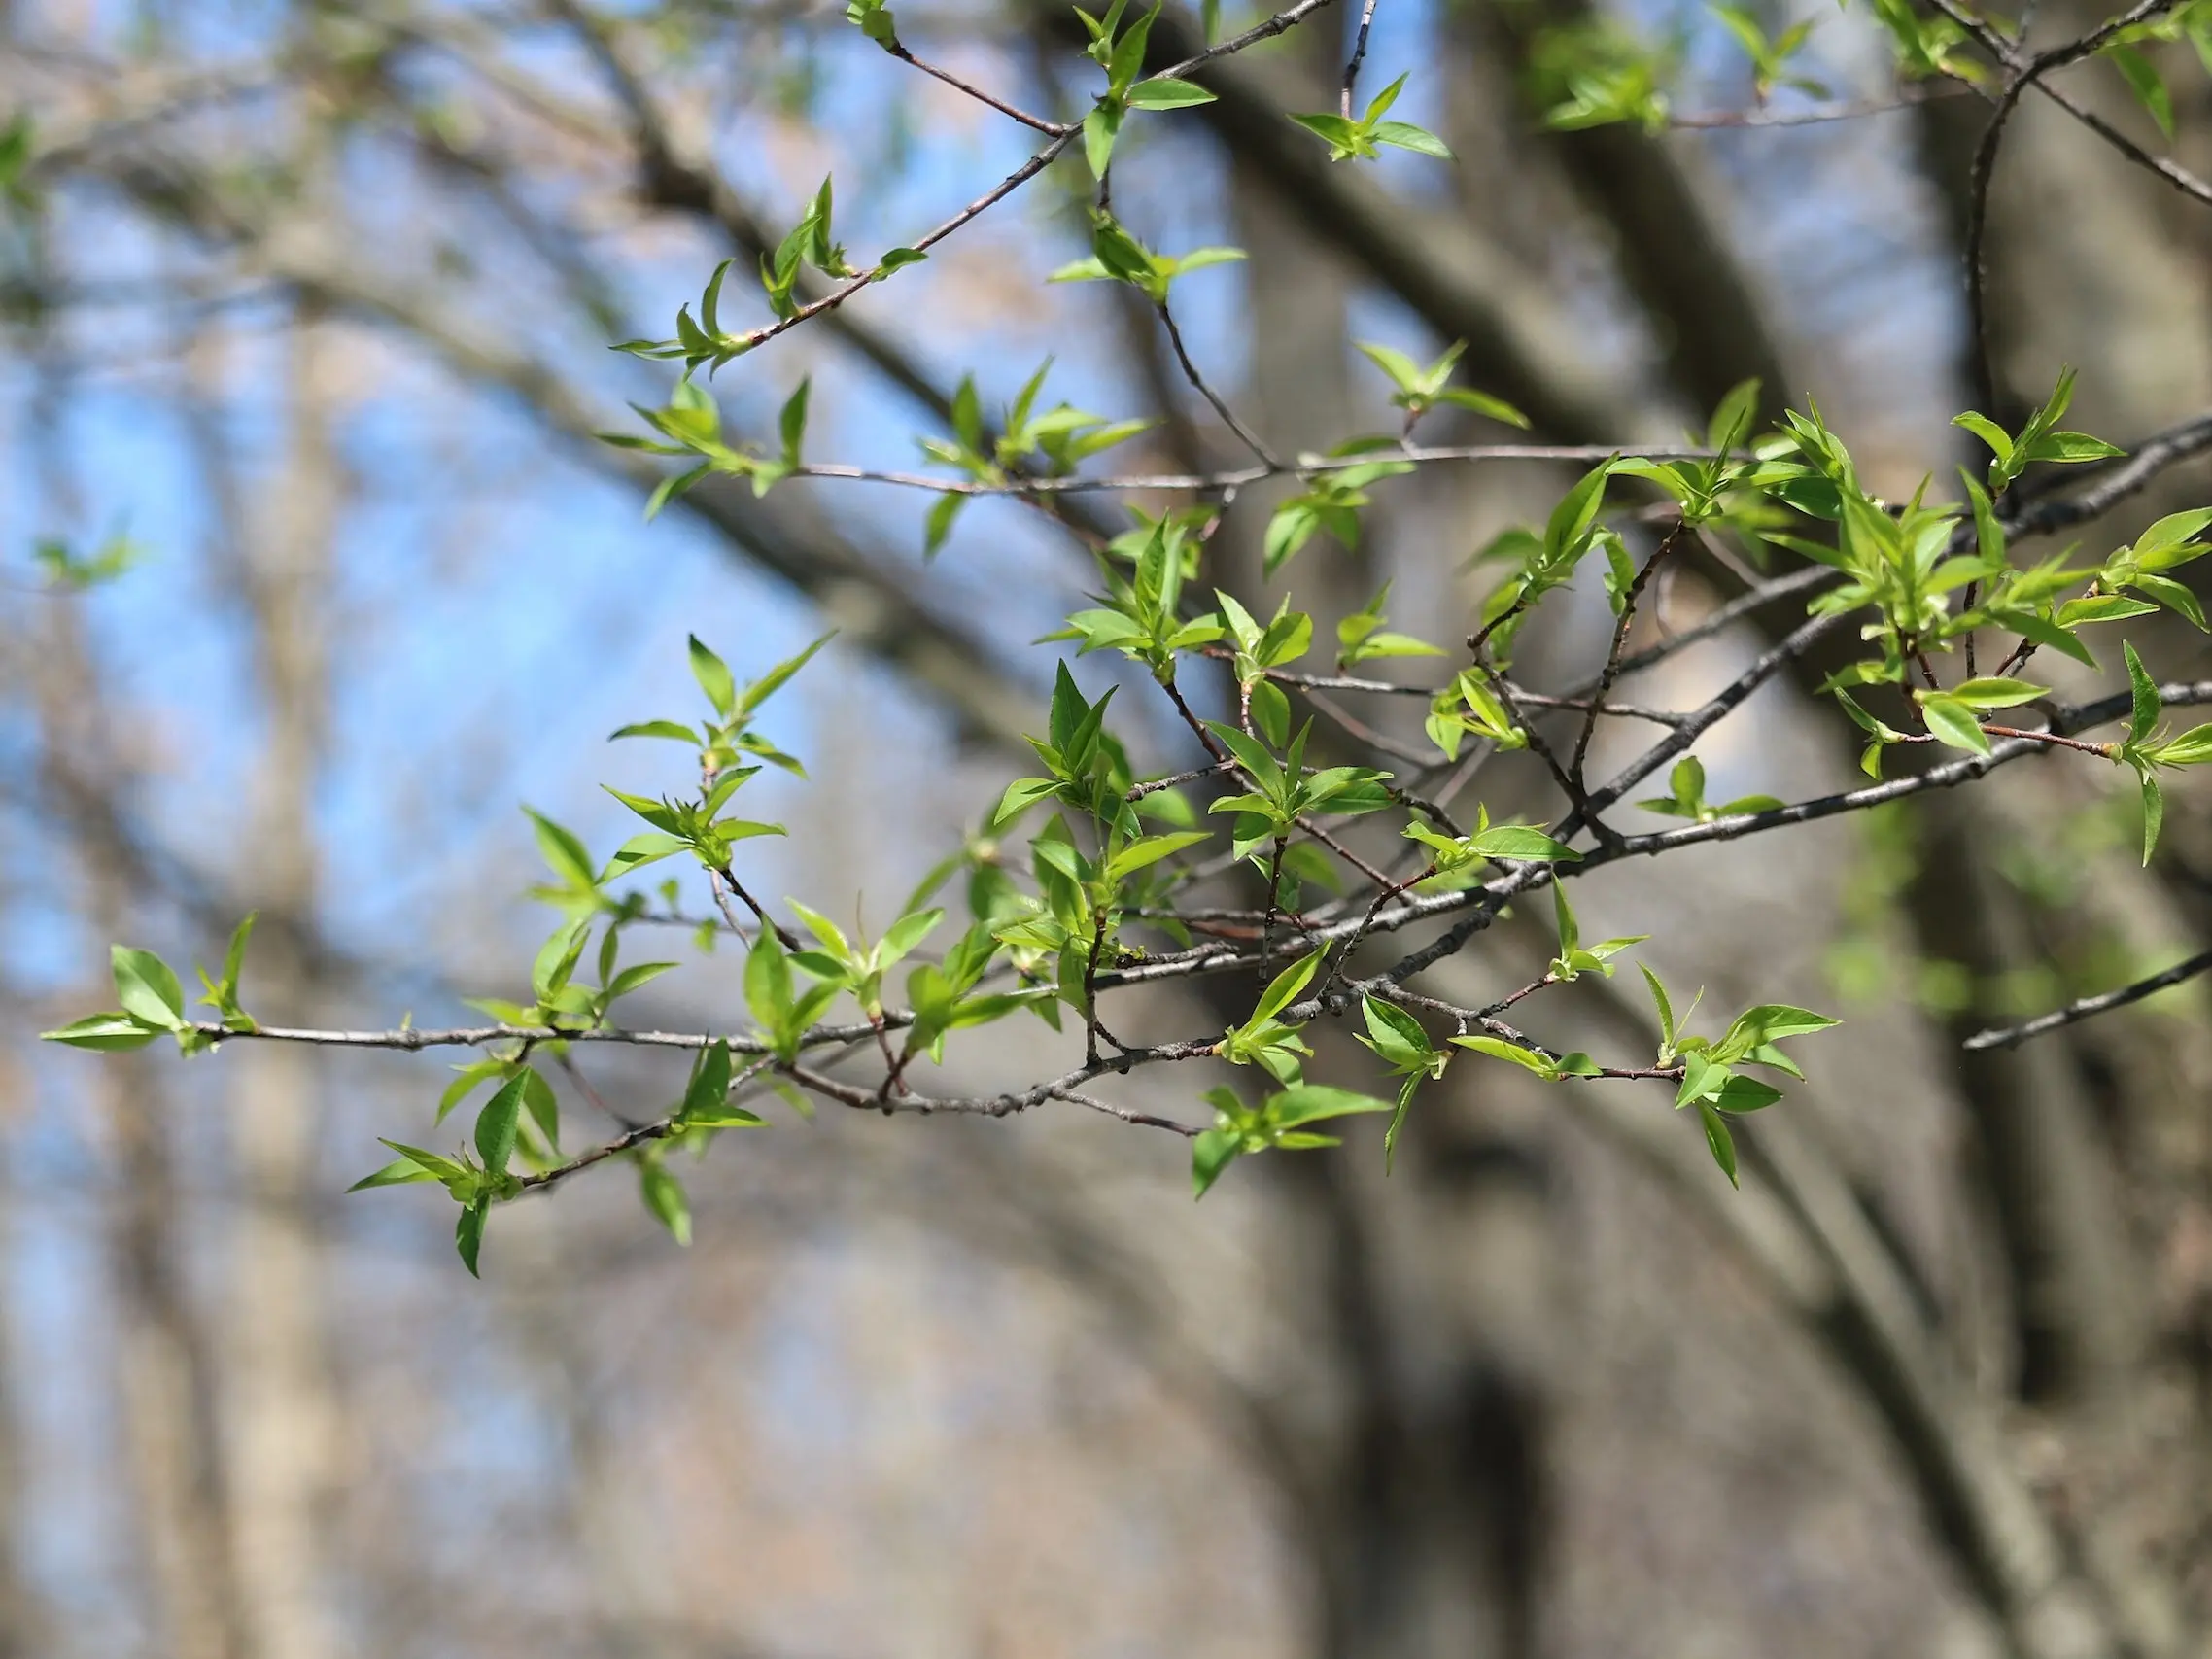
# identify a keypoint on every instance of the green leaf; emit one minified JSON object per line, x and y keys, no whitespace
{"x":632,"y":978}
{"x":1341,"y":136}
{"x":2047,"y":631}
{"x":648,"y":847}
{"x":1150,"y":850}
{"x":2102,"y":606}
{"x":2071,"y":447}
{"x":545,"y":1110}
{"x":1211,"y":1152}
{"x":664,"y":1198}
{"x":564,"y":854}
{"x":938,"y":527}
{"x":469,"y":1233}
{"x":399,"y":1173}
{"x":1666,"y":1013}
{"x":2174,"y":530}
{"x":1521,"y":841}
{"x":1989,"y":692}
{"x":1257,"y":764}
{"x":108,"y":1033}
{"x":497,"y":1124}
{"x":1383,"y":99}
{"x":1774,"y":1020}
{"x":672,"y":486}
{"x":1568,"y":526}
{"x":2144,"y":695}
{"x":1499,"y":1049}
{"x":724,"y":1116}
{"x":1021,"y":795}
{"x":1990,"y":432}
{"x":445,"y":1168}
{"x":791,"y":423}
{"x":2194,"y":747}
{"x":1404,"y":135}
{"x":1402,"y":370}
{"x":2144,"y":80}
{"x":1397,"y":1120}
{"x":1952,"y":722}
{"x":1741,"y":1094}
{"x":2173,"y":596}
{"x":905,"y":934}
{"x":1310,"y":1102}
{"x":465,"y":1084}
{"x":1200,"y":259}
{"x":1272,"y":712}
{"x":710,"y":1083}
{"x":659,"y":814}
{"x":1284,"y":988}
{"x":2154,"y":811}
{"x":767,"y":981}
{"x":713,"y":677}
{"x":1395,"y":1034}
{"x":774,"y":679}
{"x":658,"y":729}
{"x":1483,"y":404}
{"x":235,"y":958}
{"x":147,"y":989}
{"x":1733,"y":416}
{"x":1718,"y":1141}
{"x":822,"y":928}
{"x":1166,"y":93}
{"x":1701,"y":1076}
{"x":557,"y":958}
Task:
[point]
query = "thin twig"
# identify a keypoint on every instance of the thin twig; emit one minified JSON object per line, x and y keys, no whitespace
{"x":567,"y":1063}
{"x":1138,"y":791}
{"x":1266,"y":29}
{"x":723,"y":876}
{"x":1612,"y":669}
{"x":1909,"y":98}
{"x":851,"y":286}
{"x":1049,"y":129}
{"x":2174,"y":174}
{"x":1487,"y":899}
{"x":2088,"y":1007}
{"x":1358,"y":54}
{"x":1978,"y":180}
{"x":1234,"y":477}
{"x":1249,"y":438}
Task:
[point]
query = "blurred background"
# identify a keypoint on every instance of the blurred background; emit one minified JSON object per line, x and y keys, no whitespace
{"x":311,"y":570}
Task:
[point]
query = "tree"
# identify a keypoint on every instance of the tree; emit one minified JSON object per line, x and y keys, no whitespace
{"x":1206,"y":833}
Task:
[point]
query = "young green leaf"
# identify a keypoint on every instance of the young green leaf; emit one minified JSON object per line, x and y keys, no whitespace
{"x":1497,"y":1049}
{"x":1951,"y":722}
{"x":147,"y":988}
{"x":499,"y":1123}
{"x":2143,"y":697}
{"x":469,"y":1233}
{"x":106,"y":1033}
{"x":1718,"y":1141}
{"x":713,"y":676}
{"x":663,"y":1195}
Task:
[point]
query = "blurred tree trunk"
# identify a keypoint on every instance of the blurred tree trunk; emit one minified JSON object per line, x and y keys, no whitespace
{"x":284,"y":1421}
{"x":166,"y":1371}
{"x":23,"y":1626}
{"x":2090,"y":258}
{"x":1708,"y":320}
{"x":2124,"y":296}
{"x":1420,"y":1445}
